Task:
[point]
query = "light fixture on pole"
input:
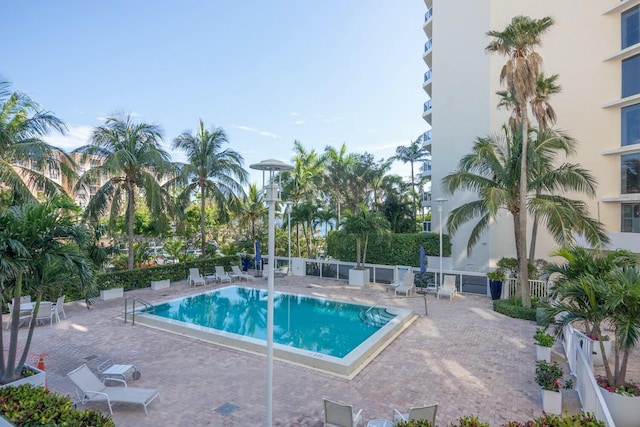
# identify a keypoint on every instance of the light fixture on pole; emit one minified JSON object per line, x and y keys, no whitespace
{"x":289,"y":206}
{"x":272,"y":191}
{"x":440,"y":201}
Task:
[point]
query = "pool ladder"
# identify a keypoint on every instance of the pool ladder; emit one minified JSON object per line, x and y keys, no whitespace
{"x":384,"y":298}
{"x":147,"y":305}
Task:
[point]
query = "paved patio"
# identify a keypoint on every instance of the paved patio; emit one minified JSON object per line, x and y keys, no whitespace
{"x":461,"y":355}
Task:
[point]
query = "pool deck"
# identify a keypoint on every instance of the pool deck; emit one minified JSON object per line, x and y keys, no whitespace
{"x":461,"y":355}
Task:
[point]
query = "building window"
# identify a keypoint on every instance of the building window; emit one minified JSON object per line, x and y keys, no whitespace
{"x":631,"y":125}
{"x":631,"y":27}
{"x":630,"y":218}
{"x":630,"y":173}
{"x":631,"y":76}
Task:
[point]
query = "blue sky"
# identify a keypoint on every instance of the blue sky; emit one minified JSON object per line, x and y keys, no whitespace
{"x":267,"y":72}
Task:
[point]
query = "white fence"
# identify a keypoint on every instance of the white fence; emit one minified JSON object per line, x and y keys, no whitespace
{"x":538,"y":288}
{"x":579,"y":350}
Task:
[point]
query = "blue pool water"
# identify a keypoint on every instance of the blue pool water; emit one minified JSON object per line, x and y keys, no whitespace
{"x":314,"y":324}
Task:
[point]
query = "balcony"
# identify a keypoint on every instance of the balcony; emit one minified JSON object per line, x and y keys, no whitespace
{"x":426,"y":113}
{"x":427,"y":82}
{"x":426,"y":199}
{"x":425,"y":170}
{"x":428,"y":47}
{"x":428,"y":22}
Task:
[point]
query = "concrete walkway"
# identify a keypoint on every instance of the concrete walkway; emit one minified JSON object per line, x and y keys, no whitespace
{"x":461,"y":355}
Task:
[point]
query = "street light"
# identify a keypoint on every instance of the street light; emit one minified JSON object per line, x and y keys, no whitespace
{"x":289,"y":205}
{"x":272,"y":191}
{"x":440,"y":201}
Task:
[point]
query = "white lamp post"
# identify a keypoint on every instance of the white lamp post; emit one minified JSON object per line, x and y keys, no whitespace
{"x":289,"y":205}
{"x":440,"y":202}
{"x":272,"y":190}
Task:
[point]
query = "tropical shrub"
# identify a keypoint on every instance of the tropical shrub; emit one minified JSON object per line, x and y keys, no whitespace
{"x":512,"y":307}
{"x":27,"y":405}
{"x":549,"y":376}
{"x":542,"y":338}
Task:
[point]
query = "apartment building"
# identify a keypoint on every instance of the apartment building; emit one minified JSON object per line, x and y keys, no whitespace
{"x":595,"y":48}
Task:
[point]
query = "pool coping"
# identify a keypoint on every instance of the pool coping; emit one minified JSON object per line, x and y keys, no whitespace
{"x":347,"y":367}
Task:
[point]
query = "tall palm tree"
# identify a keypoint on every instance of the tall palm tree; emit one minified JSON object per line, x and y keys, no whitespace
{"x":362,"y":223}
{"x":520,"y":75}
{"x":24,"y":155}
{"x":134,"y":163}
{"x":337,"y":163}
{"x":216,"y":172}
{"x":492,"y":170}
{"x":252,"y":209}
{"x":412,"y":153}
{"x":41,"y":247}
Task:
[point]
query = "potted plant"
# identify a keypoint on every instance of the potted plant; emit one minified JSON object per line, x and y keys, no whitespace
{"x":362,"y":223}
{"x":495,"y":283}
{"x":544,"y":342}
{"x":549,"y":377}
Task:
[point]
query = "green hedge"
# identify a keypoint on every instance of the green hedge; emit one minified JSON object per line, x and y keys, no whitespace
{"x":27,"y":405}
{"x":512,"y":307}
{"x":546,"y":420}
{"x":141,"y":277}
{"x":390,"y":249}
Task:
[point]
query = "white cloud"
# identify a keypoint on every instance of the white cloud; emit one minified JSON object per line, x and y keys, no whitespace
{"x":299,"y":122}
{"x":258,"y":131}
{"x":295,"y":114}
{"x":77,"y":136}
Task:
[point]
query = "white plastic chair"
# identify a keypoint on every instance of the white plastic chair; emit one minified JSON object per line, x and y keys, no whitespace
{"x":337,"y":415}
{"x":58,"y":308}
{"x":239,"y":274}
{"x":195,"y":278}
{"x":222,"y":275}
{"x":45,"y":312}
{"x":427,"y":412}
{"x":407,"y":284}
{"x":448,"y":287}
{"x":89,"y":389}
{"x":23,"y":318}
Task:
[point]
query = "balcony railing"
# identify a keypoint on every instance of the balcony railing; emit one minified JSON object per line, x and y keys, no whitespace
{"x":427,"y":76}
{"x":426,"y":167}
{"x":428,"y":45}
{"x":428,"y":15}
{"x":427,"y":106}
{"x":426,"y":136}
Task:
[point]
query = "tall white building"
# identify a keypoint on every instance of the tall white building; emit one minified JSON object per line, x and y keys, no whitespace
{"x":594,"y":46}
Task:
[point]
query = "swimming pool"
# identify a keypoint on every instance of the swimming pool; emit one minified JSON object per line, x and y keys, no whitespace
{"x":334,"y":336}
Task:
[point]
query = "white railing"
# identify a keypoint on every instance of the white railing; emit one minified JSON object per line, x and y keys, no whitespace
{"x":537,"y":288}
{"x":579,"y":350}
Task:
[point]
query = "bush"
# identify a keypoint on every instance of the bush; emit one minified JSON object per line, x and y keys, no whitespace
{"x":512,"y":307}
{"x":414,"y":423}
{"x":542,"y":338}
{"x":27,"y":405}
{"x":550,"y":420}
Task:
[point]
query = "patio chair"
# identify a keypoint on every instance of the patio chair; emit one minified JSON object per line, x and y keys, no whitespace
{"x":58,"y":308}
{"x":90,"y":389}
{"x":337,"y":415}
{"x":195,"y":278}
{"x":427,"y":412}
{"x":407,"y":284}
{"x":236,"y":273}
{"x":222,"y":275}
{"x":45,"y":312}
{"x":448,"y":287}
{"x":23,"y":318}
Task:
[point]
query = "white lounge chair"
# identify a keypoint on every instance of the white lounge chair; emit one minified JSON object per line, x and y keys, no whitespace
{"x":337,"y":415}
{"x":236,"y":273}
{"x":195,"y":278}
{"x":91,"y":389}
{"x":418,"y":413}
{"x":222,"y":275}
{"x":407,"y":285}
{"x":278,"y":272}
{"x":448,"y":287}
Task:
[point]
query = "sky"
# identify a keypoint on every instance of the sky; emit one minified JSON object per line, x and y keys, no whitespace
{"x":267,"y":72}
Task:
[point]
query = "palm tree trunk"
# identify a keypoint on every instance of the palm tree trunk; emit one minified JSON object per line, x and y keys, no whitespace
{"x":131,"y":212}
{"x":534,"y":236}
{"x":415,"y":199}
{"x":203,"y":242}
{"x":522,"y":256}
{"x":298,"y":239}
